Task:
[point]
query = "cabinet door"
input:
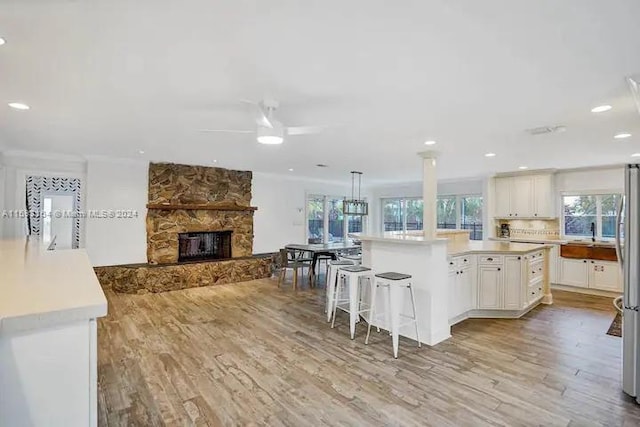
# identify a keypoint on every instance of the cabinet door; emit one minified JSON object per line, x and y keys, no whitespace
{"x":512,"y":282}
{"x":452,"y":291}
{"x":465,"y":290}
{"x":543,"y":201}
{"x":522,"y":197}
{"x":605,"y":275}
{"x":489,"y":287}
{"x":574,"y":272}
{"x":503,"y":197}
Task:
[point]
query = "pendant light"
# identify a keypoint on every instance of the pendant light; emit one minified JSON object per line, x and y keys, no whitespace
{"x":353,"y":206}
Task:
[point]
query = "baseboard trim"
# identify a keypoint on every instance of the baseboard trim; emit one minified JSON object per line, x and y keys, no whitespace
{"x":586,"y":291}
{"x":495,"y":314}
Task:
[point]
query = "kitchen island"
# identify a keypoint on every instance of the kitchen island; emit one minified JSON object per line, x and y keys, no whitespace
{"x":454,"y":280}
{"x":49,"y":302}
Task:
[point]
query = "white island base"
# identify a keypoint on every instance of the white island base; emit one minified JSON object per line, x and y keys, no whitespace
{"x":426,"y":262}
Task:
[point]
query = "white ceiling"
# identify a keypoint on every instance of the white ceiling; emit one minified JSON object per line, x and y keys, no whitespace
{"x":114,"y":77}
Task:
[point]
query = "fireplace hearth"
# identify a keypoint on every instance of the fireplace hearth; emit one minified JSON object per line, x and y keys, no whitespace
{"x":205,"y":245}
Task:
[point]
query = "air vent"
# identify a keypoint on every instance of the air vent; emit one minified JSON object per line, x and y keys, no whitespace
{"x":322,"y":165}
{"x":546,"y":129}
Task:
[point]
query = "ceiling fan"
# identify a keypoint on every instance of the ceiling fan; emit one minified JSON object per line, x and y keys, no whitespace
{"x":269,"y":130}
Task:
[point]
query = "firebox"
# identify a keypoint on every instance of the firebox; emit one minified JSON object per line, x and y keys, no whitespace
{"x":204,"y":245}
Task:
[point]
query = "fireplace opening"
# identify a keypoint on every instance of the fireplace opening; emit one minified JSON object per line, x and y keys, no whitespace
{"x":204,"y":245}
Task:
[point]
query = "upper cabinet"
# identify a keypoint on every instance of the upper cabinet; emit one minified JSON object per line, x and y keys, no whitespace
{"x":525,"y":196}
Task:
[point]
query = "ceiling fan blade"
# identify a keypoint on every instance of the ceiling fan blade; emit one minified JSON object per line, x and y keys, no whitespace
{"x":226,"y":130}
{"x":304,"y":130}
{"x":263,"y":116}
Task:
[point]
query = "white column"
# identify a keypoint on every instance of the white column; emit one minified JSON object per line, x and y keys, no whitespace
{"x":429,"y":192}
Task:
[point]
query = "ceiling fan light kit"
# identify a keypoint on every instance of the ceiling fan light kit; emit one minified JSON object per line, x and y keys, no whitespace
{"x":353,"y":206}
{"x":270,"y":135}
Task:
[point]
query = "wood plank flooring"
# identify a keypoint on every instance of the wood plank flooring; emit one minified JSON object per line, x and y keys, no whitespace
{"x":253,"y":354}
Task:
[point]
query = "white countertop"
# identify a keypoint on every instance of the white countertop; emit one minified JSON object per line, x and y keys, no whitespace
{"x":398,"y":237}
{"x":529,"y":240}
{"x":40,"y":288}
{"x":472,"y":246}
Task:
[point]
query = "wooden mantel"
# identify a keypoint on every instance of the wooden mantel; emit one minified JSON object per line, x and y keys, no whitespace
{"x":219,"y":206}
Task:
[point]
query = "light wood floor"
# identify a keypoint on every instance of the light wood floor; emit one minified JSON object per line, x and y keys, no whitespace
{"x":253,"y":354}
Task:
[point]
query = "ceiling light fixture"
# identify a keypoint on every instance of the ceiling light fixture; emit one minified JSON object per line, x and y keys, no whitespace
{"x":290,"y":169}
{"x":355,"y":206}
{"x":601,"y":108}
{"x":271,"y":135}
{"x":18,"y":106}
{"x":215,"y":161}
{"x":622,"y":135}
{"x":140,"y":151}
{"x":490,"y":155}
{"x":635,"y":155}
{"x":523,"y":167}
{"x":429,"y":143}
{"x":2,"y":41}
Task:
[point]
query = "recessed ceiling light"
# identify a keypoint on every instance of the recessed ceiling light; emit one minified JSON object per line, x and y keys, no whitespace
{"x":140,"y":151}
{"x":18,"y":106}
{"x":622,"y":135}
{"x":429,"y":143}
{"x":290,"y":169}
{"x":2,"y":41}
{"x":523,"y":167}
{"x":215,"y":161}
{"x":490,"y":155}
{"x":601,"y":108}
{"x":635,"y":155}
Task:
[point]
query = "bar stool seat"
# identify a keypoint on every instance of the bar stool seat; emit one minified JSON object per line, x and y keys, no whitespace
{"x":395,"y":283}
{"x":351,"y":277}
{"x":331,"y":283}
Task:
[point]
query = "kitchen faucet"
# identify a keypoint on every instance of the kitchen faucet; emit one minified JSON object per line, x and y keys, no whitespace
{"x":593,"y":231}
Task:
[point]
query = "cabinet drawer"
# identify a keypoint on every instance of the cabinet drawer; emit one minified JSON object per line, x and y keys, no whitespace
{"x":536,"y":256}
{"x":491,"y":260}
{"x":536,"y":271}
{"x":534,"y":291}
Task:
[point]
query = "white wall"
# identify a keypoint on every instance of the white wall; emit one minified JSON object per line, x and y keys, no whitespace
{"x":116,"y":184}
{"x":281,"y":214}
{"x":605,"y":180}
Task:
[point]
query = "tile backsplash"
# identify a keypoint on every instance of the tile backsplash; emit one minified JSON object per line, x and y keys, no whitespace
{"x":547,"y":229}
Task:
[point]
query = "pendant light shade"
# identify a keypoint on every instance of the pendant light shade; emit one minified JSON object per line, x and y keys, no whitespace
{"x":355,"y":206}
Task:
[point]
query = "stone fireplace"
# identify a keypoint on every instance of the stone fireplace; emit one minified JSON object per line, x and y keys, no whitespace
{"x":187,"y":199}
{"x":199,"y":232}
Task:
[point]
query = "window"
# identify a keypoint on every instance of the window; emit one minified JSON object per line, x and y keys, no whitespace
{"x":326,"y":222}
{"x":462,"y":212}
{"x":590,"y":215}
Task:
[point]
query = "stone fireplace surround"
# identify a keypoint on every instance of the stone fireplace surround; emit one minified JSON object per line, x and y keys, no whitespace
{"x":183,"y":199}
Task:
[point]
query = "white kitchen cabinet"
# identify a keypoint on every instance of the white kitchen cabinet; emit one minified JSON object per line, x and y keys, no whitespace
{"x":522,"y":189}
{"x":554,"y":259}
{"x":512,"y":282}
{"x":490,"y":287}
{"x":605,"y":275}
{"x":524,"y":196}
{"x":574,"y":272}
{"x":543,"y":199}
{"x":461,"y":287}
{"x":503,"y":197}
{"x":465,"y":290}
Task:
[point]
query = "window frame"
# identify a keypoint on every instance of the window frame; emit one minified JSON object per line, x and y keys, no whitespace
{"x":594,"y":193}
{"x":403,"y":205}
{"x":325,"y":217}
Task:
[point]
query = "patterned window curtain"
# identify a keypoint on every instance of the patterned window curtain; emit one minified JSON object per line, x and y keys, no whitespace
{"x":39,"y":185}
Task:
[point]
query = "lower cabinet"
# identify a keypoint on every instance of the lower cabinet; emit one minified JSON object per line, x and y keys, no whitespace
{"x":574,"y":272}
{"x":461,"y":292}
{"x":592,"y":274}
{"x":490,"y":287}
{"x":513,"y":267}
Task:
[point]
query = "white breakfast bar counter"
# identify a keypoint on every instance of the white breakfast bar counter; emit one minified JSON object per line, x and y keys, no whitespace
{"x":49,"y":303}
{"x":456,"y":280}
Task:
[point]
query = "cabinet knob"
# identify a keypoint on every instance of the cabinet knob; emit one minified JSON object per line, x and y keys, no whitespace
{"x":519,"y":258}
{"x":489,"y":259}
{"x":450,"y":263}
{"x":498,"y":268}
{"x":465,"y":260}
{"x":515,"y":214}
{"x":591,"y":262}
{"x":535,"y":214}
{"x":584,"y":260}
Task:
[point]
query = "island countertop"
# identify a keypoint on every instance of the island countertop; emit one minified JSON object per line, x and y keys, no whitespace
{"x":461,"y":248}
{"x":41,"y":288}
{"x":398,"y":237}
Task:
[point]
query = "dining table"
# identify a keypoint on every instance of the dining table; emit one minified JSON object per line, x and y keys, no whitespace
{"x":324,"y":249}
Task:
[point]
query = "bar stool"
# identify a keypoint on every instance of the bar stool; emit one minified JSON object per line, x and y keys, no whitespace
{"x":330,"y":286}
{"x":351,"y":277}
{"x":395,"y":283}
{"x":357,"y":259}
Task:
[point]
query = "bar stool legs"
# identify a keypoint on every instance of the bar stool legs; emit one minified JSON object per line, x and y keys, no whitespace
{"x":351,"y":277}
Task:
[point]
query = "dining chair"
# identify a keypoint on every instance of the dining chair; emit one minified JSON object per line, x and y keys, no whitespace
{"x":289,"y":260}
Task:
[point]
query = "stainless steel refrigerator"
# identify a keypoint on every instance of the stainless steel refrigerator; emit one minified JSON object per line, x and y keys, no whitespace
{"x":628,"y":250}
